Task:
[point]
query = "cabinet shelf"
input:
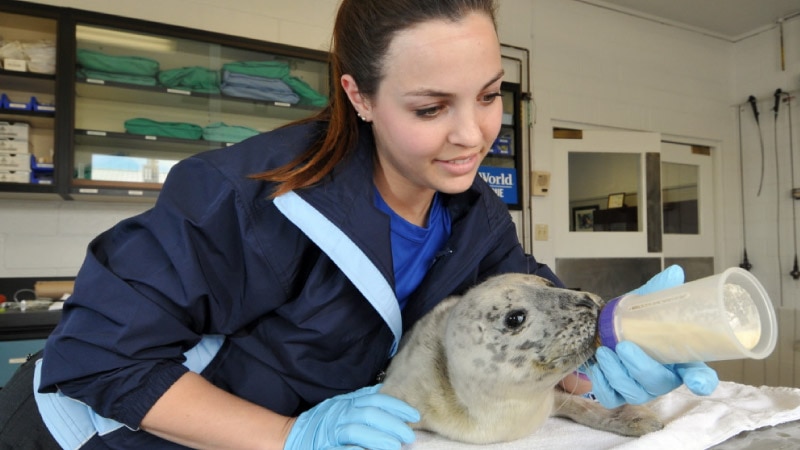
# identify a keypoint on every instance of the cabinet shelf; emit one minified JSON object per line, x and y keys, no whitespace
{"x":117,"y":189}
{"x":28,"y":81}
{"x":116,"y":141}
{"x":180,"y":98}
{"x":130,"y":151}
{"x":48,"y":190}
{"x":35,"y":119}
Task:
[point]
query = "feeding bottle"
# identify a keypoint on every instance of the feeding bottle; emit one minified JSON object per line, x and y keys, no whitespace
{"x":721,"y":317}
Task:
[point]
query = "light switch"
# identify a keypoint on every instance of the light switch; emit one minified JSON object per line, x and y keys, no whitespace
{"x":541,"y":231}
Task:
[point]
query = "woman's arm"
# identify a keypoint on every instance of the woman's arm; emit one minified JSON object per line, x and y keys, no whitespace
{"x":575,"y":383}
{"x":197,"y":414}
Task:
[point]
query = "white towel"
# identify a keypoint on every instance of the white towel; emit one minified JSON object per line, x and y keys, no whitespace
{"x":692,"y":422}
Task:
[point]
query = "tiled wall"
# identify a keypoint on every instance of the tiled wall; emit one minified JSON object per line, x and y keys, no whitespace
{"x":49,"y":238}
{"x":304,"y":23}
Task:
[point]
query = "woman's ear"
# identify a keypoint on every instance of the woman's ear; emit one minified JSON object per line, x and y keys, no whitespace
{"x":359,"y":102}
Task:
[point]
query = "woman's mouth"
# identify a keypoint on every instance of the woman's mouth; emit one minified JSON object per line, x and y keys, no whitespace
{"x":459,"y":166}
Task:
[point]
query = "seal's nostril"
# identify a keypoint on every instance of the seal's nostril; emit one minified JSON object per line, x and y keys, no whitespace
{"x":587,"y":302}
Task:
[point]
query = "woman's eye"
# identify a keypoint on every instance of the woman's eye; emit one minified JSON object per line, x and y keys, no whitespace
{"x":489,"y":98}
{"x":428,"y":112}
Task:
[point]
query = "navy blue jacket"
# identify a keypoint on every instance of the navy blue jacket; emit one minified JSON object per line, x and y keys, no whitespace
{"x":295,"y":294}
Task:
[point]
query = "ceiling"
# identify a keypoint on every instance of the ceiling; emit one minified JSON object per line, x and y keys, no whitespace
{"x":727,"y":19}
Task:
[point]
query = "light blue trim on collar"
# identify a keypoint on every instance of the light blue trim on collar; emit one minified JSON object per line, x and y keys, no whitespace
{"x":348,"y":257}
{"x":72,"y":423}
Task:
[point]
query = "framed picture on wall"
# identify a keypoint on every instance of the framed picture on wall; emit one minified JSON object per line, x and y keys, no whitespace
{"x":616,"y":200}
{"x":583,"y":217}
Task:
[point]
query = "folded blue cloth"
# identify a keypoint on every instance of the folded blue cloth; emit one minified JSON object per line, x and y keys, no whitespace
{"x":257,"y":88}
{"x":221,"y":132}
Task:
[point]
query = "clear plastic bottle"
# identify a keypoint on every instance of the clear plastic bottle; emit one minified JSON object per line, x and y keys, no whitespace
{"x":721,"y":317}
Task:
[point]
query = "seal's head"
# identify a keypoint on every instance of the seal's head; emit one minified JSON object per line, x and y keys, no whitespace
{"x":517,"y":329}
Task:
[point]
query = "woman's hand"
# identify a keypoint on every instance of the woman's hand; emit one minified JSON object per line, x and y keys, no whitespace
{"x":364,"y":419}
{"x":631,"y":376}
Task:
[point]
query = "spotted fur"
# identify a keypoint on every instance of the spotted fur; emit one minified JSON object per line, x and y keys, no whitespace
{"x":483,"y":367}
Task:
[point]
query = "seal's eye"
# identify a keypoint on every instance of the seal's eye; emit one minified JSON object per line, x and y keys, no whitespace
{"x":515,"y":319}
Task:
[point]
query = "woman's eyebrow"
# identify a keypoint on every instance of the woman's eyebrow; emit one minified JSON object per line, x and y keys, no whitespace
{"x":435,"y":93}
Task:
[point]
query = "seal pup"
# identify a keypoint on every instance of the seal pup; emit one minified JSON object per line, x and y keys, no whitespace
{"x":483,"y":367}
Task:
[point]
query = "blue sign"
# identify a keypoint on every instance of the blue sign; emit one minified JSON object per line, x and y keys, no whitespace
{"x":502,"y":180}
{"x":502,"y":145}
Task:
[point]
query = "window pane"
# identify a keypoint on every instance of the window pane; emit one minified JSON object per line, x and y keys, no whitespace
{"x":679,"y":198}
{"x":604,"y":191}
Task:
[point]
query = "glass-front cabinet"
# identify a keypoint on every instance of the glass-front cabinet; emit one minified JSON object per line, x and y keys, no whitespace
{"x":503,"y":164}
{"x":135,"y":97}
{"x":145,"y":100}
{"x":27,"y":100}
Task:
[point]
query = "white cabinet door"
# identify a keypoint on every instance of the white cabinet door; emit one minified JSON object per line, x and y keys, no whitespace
{"x":687,"y":196}
{"x":591,"y":173}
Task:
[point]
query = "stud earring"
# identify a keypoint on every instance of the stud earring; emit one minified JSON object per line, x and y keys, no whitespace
{"x":361,"y":117}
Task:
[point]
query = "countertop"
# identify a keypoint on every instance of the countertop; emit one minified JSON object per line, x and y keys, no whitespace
{"x":15,"y":325}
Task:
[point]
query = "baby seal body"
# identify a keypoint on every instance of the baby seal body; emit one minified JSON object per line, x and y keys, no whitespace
{"x":482,"y":367}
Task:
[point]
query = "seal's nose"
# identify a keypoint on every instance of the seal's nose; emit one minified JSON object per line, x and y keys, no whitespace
{"x":589,"y":301}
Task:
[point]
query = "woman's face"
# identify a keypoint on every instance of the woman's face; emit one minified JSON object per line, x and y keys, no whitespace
{"x":438,"y":109}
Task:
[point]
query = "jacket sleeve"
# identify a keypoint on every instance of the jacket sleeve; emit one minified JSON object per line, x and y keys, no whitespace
{"x":148,"y":290}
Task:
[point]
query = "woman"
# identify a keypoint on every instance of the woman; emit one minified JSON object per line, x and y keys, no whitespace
{"x":251,"y":311}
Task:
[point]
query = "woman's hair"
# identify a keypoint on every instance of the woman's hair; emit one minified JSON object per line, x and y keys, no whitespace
{"x":362,"y":33}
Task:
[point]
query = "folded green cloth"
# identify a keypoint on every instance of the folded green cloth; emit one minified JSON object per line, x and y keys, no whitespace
{"x":266,"y":69}
{"x":195,"y":79}
{"x":220,"y":132}
{"x":150,"y":127}
{"x":308,"y":96}
{"x":128,"y":65}
{"x":141,"y":80}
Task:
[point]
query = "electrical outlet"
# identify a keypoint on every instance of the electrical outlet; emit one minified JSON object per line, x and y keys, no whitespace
{"x":542,"y":233}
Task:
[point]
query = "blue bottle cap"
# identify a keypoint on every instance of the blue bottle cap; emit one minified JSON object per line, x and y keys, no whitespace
{"x":605,"y":324}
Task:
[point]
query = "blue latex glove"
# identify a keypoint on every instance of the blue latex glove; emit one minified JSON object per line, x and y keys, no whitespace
{"x":631,"y":376}
{"x":360,"y":419}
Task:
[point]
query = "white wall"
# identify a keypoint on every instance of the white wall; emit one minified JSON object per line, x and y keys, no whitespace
{"x":599,"y":68}
{"x":590,"y":66}
{"x":758,"y":71}
{"x":769,"y":217}
{"x":304,"y":23}
{"x":595,"y":67}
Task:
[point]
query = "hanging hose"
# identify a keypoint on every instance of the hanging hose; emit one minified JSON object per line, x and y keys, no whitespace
{"x":745,"y":264}
{"x":795,"y":273}
{"x":752,"y":101}
{"x":775,"y":108}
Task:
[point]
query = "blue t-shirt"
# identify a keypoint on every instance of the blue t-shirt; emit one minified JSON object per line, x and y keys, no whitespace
{"x":414,"y":248}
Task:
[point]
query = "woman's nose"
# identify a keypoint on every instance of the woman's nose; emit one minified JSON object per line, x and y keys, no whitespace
{"x":467,"y":130}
